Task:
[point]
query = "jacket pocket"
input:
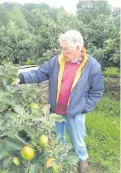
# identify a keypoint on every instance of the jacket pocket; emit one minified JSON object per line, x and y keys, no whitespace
{"x":78,"y":106}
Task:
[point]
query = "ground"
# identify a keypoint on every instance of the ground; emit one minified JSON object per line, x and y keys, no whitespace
{"x":91,"y":169}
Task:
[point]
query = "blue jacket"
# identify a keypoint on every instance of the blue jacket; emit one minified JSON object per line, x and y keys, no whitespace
{"x":86,"y":92}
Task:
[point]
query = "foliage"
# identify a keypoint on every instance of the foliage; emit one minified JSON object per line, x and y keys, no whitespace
{"x":89,"y":10}
{"x":112,"y":87}
{"x":4,"y":15}
{"x":17,"y":45}
{"x":23,"y":120}
{"x":102,"y":31}
{"x":111,"y":72}
{"x":17,"y":13}
{"x":31,"y":31}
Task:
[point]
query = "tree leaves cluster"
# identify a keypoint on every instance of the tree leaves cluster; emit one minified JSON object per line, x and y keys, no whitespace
{"x":23,"y":119}
{"x":30,"y":31}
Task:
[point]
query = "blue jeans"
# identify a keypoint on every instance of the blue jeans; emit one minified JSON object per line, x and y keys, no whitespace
{"x":76,"y":130}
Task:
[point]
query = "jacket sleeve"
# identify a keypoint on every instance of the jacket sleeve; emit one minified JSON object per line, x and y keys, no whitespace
{"x":36,"y":76}
{"x":96,"y":88}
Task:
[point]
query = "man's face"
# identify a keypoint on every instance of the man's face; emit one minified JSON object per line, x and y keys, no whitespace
{"x":70,"y":53}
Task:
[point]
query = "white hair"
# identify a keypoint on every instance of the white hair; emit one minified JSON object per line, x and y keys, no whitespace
{"x":74,"y":37}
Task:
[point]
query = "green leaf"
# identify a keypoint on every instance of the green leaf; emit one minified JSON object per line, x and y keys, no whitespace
{"x":46,"y":109}
{"x":57,"y":118}
{"x":12,"y":144}
{"x":6,"y":162}
{"x":35,"y":111}
{"x":1,"y":124}
{"x":49,"y":170}
{"x":3,"y":107}
{"x":34,"y":168}
{"x":3,"y":152}
{"x":13,"y":169}
{"x":19,"y":109}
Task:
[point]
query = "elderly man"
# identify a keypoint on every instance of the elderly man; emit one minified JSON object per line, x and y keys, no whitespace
{"x":75,"y":86}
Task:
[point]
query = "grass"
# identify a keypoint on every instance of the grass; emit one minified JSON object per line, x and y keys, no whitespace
{"x":111,"y":72}
{"x":108,"y":107}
